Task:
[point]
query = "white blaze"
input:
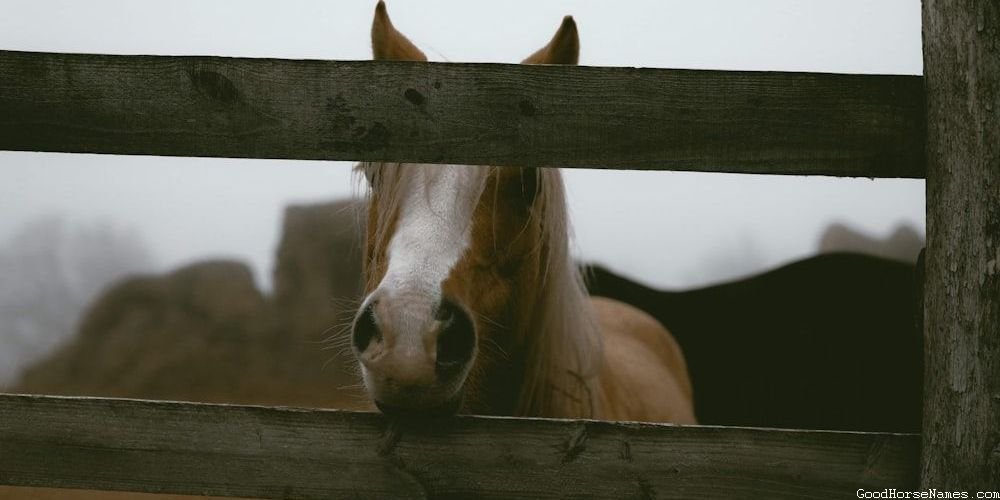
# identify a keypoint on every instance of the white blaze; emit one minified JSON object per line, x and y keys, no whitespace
{"x":433,"y":230}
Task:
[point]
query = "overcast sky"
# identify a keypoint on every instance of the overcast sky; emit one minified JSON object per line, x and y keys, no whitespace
{"x":670,"y":228}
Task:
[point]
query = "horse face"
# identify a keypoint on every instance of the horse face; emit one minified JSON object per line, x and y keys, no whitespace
{"x":415,"y":342}
{"x":448,"y":249}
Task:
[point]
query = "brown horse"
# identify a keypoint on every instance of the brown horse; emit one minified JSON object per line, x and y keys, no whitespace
{"x":473,"y":303}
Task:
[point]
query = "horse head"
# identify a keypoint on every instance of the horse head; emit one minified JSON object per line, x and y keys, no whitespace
{"x":454,"y":259}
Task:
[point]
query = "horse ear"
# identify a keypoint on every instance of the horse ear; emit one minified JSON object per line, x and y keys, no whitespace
{"x":389,"y":44}
{"x":564,"y":48}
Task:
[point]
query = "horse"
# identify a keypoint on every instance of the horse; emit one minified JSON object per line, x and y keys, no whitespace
{"x":827,"y":342}
{"x":472,"y":303}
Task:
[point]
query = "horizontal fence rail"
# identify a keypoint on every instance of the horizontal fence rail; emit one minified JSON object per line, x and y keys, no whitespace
{"x":488,"y":114}
{"x":248,"y":451}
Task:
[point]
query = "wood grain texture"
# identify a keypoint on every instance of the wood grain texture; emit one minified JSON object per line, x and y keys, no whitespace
{"x":961,"y":426}
{"x":263,"y":452}
{"x":487,"y":114}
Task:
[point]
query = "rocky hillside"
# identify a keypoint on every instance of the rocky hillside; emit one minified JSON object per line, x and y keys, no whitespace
{"x":205,"y":333}
{"x":904,"y":244}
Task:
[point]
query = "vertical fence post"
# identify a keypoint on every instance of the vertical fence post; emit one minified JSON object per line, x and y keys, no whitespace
{"x":961,"y":429}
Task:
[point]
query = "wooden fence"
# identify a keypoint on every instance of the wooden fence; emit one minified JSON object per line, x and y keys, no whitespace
{"x":480,"y":114}
{"x":292,"y":453}
{"x":782,"y":123}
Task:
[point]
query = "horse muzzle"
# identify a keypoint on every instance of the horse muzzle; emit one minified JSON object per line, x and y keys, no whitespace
{"x":414,"y":358}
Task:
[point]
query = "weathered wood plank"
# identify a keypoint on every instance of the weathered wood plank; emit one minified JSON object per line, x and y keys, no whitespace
{"x":757,"y":122}
{"x":961,"y":426}
{"x":292,"y":453}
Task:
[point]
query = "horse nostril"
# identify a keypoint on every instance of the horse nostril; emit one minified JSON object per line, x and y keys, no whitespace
{"x":365,"y":329}
{"x":457,"y":339}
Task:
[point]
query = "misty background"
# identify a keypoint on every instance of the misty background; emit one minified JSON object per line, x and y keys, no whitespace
{"x":72,"y":224}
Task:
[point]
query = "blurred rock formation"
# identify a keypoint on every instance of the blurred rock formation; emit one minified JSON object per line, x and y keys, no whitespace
{"x":903,"y":244}
{"x":205,"y":333}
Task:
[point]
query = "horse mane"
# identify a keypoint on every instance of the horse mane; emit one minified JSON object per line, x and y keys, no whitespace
{"x":565,"y":358}
{"x":563,"y":349}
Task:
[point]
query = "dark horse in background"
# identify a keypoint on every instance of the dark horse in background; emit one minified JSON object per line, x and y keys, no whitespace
{"x":829,"y":342}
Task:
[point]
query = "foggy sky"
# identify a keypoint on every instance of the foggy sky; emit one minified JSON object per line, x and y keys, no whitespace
{"x":671,"y":228}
